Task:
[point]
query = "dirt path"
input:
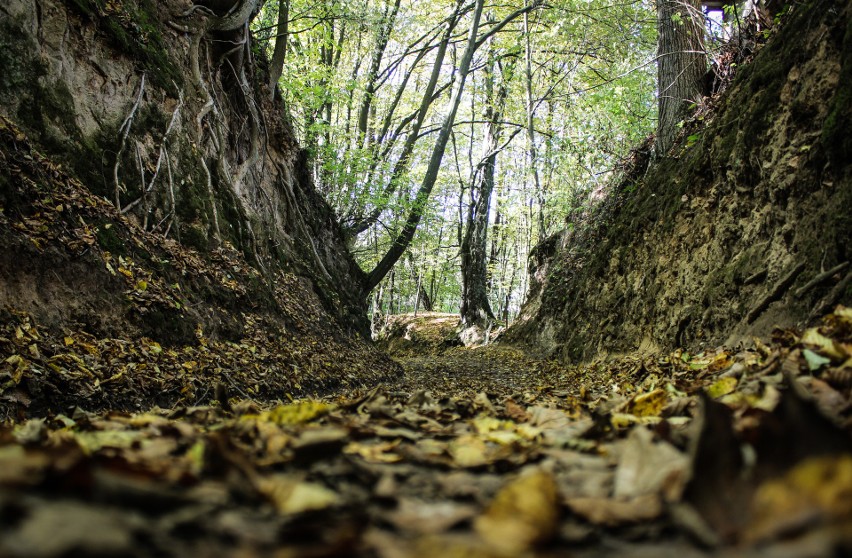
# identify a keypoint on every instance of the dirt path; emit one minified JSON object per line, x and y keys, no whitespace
{"x":475,"y":453}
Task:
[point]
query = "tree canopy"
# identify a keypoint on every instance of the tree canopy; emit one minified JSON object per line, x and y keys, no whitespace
{"x":408,"y":108}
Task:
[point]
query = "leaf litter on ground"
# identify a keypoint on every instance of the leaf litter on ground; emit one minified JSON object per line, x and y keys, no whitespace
{"x":741,"y":454}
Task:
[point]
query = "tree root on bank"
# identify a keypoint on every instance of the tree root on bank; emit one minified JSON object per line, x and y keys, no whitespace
{"x":124,"y":129}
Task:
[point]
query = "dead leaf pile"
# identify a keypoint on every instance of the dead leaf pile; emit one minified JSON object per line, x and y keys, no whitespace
{"x":666,"y":451}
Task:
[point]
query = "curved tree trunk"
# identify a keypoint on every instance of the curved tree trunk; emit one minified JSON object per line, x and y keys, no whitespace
{"x":276,"y":66}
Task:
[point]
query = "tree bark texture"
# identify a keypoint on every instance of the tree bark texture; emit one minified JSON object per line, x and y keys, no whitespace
{"x":681,"y":65}
{"x":475,"y":307}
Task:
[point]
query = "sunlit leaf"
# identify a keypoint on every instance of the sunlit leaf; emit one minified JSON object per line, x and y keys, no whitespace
{"x":815,"y":361}
{"x":91,"y":442}
{"x":524,"y":513}
{"x":722,"y":386}
{"x":648,"y":404}
{"x":291,"y":495}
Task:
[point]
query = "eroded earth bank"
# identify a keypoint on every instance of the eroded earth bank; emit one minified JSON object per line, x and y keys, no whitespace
{"x":182,"y":370}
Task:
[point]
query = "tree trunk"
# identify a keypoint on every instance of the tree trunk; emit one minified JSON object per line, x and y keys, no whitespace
{"x":403,"y":162}
{"x":681,"y":65}
{"x":404,"y":238}
{"x":279,"y":54}
{"x":382,"y":37}
{"x":531,"y":147}
{"x":475,"y":308}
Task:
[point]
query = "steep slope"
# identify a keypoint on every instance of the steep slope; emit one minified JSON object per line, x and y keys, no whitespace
{"x":152,"y":206}
{"x":150,"y":111}
{"x":744,"y":226}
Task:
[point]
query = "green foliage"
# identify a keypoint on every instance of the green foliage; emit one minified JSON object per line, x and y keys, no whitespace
{"x":592,"y":84}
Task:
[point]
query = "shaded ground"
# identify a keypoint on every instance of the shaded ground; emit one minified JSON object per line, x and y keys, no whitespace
{"x":481,"y":453}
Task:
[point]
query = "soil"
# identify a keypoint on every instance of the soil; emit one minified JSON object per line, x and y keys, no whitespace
{"x":716,"y":241}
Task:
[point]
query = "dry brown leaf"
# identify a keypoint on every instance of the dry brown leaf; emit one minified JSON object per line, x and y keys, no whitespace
{"x":426,"y":518}
{"x":524,"y":513}
{"x":649,"y":467}
{"x":612,"y":513}
{"x":291,"y":495}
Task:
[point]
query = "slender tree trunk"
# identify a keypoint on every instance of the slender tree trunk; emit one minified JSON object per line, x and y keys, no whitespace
{"x":404,"y":238}
{"x":531,"y":147}
{"x":279,"y":55}
{"x":681,"y":65}
{"x":382,"y":37}
{"x":404,"y":161}
{"x":475,"y":308}
{"x":390,"y":290}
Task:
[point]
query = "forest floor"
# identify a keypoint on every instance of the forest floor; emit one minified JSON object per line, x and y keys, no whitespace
{"x":484,"y":452}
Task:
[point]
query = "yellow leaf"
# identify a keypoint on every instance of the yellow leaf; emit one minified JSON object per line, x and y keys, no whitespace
{"x":818,"y":487}
{"x":195,"y":456}
{"x":90,"y":442}
{"x":290,"y":495}
{"x":825,"y":345}
{"x":69,"y":341}
{"x":298,"y":412}
{"x":469,"y":451}
{"x":141,"y":285}
{"x":648,"y":404}
{"x":844,"y":314}
{"x":484,"y":424}
{"x":125,"y":272}
{"x":524,"y":513}
{"x":722,"y":386}
{"x":14,"y":359}
{"x":374,"y":453}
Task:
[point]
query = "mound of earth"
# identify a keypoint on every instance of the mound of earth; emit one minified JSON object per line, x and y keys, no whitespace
{"x":739,"y":229}
{"x":421,"y":333}
{"x":99,"y":314}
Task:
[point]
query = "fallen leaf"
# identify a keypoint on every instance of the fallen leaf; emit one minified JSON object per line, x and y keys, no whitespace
{"x":92,"y":442}
{"x":291,"y":495}
{"x":824,"y":344}
{"x":722,"y":386}
{"x":381,"y":452}
{"x":524,"y":513}
{"x":815,"y":361}
{"x":816,"y":491}
{"x":428,"y":517}
{"x":648,"y":404}
{"x":649,"y":467}
{"x":612,"y":513}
